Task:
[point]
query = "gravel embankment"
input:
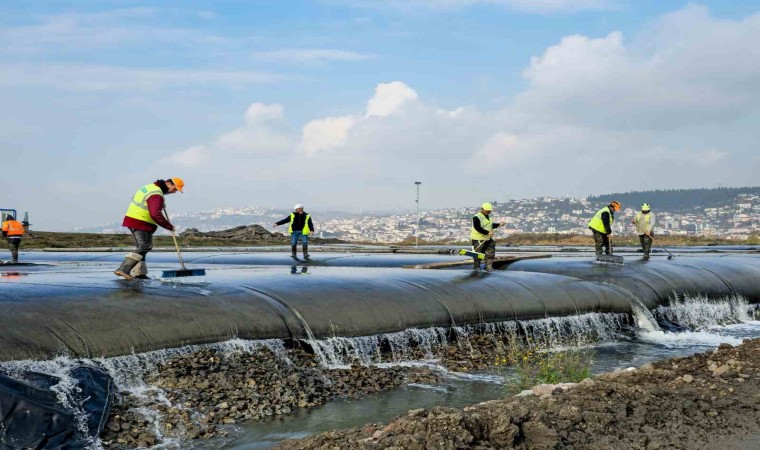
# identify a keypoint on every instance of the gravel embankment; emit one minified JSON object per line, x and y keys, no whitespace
{"x":710,"y":400}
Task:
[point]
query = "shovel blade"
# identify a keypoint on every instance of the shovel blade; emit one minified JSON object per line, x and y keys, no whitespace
{"x":472,"y":254}
{"x":609,"y":259}
{"x":183,"y":273}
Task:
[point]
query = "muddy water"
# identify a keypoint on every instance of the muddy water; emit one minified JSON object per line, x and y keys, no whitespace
{"x":459,"y":390}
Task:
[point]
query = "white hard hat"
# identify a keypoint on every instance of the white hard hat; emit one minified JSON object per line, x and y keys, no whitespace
{"x":297,"y":206}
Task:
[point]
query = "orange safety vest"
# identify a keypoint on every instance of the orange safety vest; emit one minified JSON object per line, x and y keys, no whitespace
{"x":13,"y":228}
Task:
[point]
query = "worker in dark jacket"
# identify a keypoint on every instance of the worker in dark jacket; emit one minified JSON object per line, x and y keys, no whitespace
{"x":300,"y":228}
{"x":601,"y":226}
{"x":143,"y":217}
{"x":481,"y":235}
{"x":13,"y":230}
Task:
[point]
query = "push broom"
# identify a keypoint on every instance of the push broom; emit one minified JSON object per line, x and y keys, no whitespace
{"x":184,"y":272}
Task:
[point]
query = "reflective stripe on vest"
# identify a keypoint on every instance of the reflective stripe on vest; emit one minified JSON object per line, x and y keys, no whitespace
{"x":485,"y":223}
{"x":596,"y":222}
{"x":138,"y":209}
{"x":306,"y":230}
{"x":13,"y":228}
{"x":642,"y":222}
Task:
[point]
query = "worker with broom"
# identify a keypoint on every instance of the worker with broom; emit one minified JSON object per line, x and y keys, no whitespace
{"x":644,"y":222}
{"x":601,"y":226}
{"x":481,"y":235}
{"x":143,"y":217}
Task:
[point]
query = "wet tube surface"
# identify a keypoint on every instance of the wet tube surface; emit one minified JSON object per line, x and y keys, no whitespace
{"x":89,"y":313}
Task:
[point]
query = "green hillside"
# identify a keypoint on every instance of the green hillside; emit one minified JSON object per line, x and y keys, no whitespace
{"x":677,"y":200}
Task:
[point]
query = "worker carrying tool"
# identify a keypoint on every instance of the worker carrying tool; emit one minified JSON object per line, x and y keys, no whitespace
{"x":481,"y":235}
{"x":13,"y":230}
{"x":300,"y":228}
{"x":601,"y":225}
{"x":644,"y":222}
{"x":143,"y":217}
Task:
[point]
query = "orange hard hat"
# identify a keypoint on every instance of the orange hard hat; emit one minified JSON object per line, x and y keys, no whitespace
{"x":179,"y":183}
{"x":615,"y":206}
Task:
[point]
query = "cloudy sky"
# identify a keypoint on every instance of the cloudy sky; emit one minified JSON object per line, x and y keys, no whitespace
{"x":344,"y":104}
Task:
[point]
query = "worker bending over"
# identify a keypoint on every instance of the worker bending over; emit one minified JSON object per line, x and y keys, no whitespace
{"x":601,"y":225}
{"x":143,"y":217}
{"x":481,"y":235}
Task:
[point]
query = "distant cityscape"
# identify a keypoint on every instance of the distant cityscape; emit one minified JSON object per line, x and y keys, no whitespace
{"x":548,"y":215}
{"x":732,"y":213}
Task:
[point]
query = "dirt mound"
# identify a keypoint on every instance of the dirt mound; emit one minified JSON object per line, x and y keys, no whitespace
{"x":255,"y":233}
{"x":703,"y":401}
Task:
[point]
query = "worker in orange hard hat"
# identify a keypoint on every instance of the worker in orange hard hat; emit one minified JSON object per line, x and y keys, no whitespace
{"x":13,"y":230}
{"x":143,"y":217}
{"x":601,"y":226}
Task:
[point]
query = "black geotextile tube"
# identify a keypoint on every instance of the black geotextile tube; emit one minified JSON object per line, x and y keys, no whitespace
{"x":656,"y":282}
{"x":91,"y":314}
{"x":32,"y":416}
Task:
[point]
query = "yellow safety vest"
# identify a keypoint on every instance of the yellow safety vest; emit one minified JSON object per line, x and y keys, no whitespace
{"x":596,"y":222}
{"x":642,"y":222}
{"x":485,"y":223}
{"x":138,"y":209}
{"x":306,"y":230}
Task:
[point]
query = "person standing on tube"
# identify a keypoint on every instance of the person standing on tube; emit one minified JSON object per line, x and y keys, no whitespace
{"x":644,"y":222}
{"x":300,"y":228}
{"x":13,"y":230}
{"x":601,"y":225}
{"x":481,"y":235}
{"x":143,"y":217}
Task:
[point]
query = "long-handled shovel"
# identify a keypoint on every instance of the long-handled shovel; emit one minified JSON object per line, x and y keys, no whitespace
{"x":184,"y":272}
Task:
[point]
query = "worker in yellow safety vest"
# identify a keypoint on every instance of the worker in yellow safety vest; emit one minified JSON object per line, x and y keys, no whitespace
{"x":299,"y":229}
{"x":644,"y":223}
{"x":601,"y":226}
{"x":13,"y":230}
{"x":143,"y":217}
{"x":481,"y":236}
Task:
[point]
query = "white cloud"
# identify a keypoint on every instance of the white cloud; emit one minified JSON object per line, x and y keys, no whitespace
{"x":194,"y":156}
{"x":325,"y":134}
{"x":260,"y":112}
{"x":389,"y":98}
{"x":310,"y":55}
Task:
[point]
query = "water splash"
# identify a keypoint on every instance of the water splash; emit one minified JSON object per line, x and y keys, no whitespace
{"x":702,"y":312}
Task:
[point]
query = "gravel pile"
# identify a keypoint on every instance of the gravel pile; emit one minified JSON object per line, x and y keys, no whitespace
{"x":195,"y":395}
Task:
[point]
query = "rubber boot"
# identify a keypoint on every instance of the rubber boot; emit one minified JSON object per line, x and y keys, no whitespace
{"x":140,"y":271}
{"x":293,"y":251}
{"x":306,"y":251}
{"x":130,"y":261}
{"x":489,"y":265}
{"x":475,"y":264}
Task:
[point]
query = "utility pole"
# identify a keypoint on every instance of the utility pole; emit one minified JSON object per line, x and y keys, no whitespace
{"x":417,"y":232}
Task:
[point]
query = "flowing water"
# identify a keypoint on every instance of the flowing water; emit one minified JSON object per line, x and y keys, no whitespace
{"x":684,"y":327}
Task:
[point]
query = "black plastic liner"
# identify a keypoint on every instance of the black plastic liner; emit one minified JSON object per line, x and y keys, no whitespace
{"x":32,"y":416}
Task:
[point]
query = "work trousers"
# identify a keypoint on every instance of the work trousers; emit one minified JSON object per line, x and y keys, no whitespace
{"x":646,"y":244}
{"x":601,"y":243}
{"x":14,"y":244}
{"x":143,"y":241}
{"x":298,"y":235}
{"x":489,"y":248}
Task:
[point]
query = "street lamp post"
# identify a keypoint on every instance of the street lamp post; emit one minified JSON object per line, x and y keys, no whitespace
{"x":417,"y":232}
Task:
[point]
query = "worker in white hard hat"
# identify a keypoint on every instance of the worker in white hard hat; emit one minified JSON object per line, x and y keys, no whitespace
{"x":481,"y":235}
{"x":644,"y":223}
{"x":300,"y":228}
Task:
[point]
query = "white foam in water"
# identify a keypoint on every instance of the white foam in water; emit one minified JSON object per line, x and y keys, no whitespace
{"x":700,"y":312}
{"x":687,"y":339}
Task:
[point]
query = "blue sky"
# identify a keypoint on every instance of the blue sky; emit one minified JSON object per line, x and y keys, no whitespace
{"x":343,"y":104}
